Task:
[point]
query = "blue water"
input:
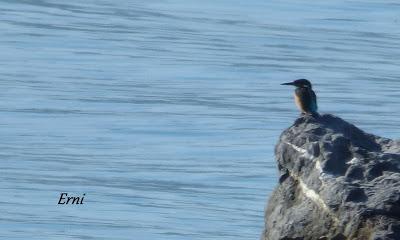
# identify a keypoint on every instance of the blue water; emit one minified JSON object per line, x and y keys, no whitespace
{"x":166,"y":113}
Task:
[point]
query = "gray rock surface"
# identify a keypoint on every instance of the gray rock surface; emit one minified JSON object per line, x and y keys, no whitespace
{"x":336,"y":182}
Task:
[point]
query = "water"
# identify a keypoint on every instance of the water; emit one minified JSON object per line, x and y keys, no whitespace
{"x":165,"y":113}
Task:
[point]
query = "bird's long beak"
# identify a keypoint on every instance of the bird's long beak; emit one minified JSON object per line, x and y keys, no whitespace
{"x":288,"y":83}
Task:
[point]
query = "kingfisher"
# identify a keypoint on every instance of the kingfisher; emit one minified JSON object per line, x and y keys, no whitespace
{"x":304,"y":96}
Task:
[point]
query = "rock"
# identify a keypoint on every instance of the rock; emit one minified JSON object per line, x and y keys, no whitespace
{"x":336,"y":182}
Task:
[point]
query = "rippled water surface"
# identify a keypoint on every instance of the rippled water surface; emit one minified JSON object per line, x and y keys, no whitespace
{"x":165,"y":113}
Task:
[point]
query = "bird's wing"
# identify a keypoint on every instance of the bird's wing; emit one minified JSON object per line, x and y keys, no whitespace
{"x":304,"y":99}
{"x":314,"y":100}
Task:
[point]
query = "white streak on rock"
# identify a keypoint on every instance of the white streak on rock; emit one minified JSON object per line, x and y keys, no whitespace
{"x":313,"y":196}
{"x":308,"y":192}
{"x":353,"y":161}
{"x":299,"y":149}
{"x":318,"y":166}
{"x":305,"y":154}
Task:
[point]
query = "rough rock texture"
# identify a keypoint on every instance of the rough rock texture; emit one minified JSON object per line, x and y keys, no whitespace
{"x":336,"y":182}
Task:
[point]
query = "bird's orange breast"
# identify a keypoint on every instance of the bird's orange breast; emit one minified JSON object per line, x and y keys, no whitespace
{"x":299,"y":103}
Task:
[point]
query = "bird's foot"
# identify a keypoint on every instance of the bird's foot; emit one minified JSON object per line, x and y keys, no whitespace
{"x":310,"y":114}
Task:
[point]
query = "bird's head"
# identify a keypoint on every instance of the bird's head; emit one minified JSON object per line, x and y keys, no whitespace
{"x":303,"y":83}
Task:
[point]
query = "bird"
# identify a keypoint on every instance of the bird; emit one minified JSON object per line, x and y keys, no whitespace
{"x":304,"y":96}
